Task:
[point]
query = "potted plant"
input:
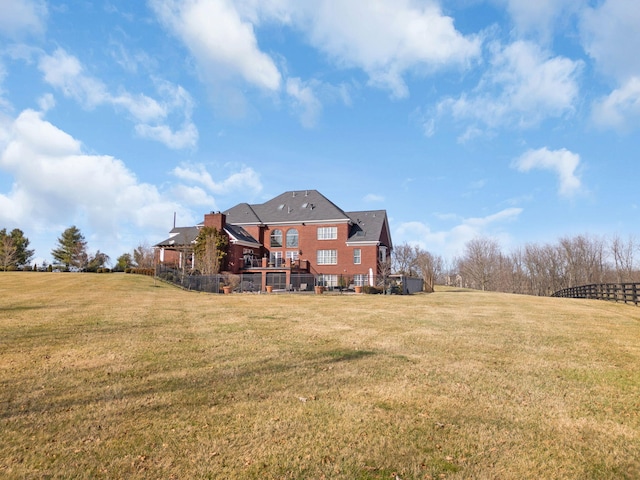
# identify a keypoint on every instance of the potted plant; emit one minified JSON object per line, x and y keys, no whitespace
{"x":230,"y":282}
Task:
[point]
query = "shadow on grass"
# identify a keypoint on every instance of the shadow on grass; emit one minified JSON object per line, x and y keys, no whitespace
{"x":22,"y":308}
{"x":346,"y":355}
{"x":133,"y":387}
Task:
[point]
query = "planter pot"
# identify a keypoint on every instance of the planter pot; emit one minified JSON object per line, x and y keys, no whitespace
{"x":319,"y":290}
{"x":358,"y":288}
{"x":226,"y":290}
{"x":269,"y":288}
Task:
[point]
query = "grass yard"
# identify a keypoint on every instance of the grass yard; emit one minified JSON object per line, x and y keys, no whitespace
{"x":117,"y":376}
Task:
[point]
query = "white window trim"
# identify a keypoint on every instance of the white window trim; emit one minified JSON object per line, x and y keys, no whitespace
{"x":331,"y":255}
{"x":327,"y":233}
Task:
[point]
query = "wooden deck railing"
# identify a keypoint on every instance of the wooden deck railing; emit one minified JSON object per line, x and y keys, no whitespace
{"x":614,"y":292}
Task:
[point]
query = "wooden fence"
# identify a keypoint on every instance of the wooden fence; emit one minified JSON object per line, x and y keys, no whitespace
{"x":614,"y":292}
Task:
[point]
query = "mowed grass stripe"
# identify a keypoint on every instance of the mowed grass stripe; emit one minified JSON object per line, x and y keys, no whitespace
{"x":120,"y":376}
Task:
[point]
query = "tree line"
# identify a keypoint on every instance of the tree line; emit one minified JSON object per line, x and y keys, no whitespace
{"x":533,"y":269}
{"x":70,"y":254}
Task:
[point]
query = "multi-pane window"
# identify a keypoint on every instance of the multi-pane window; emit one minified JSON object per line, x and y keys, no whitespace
{"x":359,"y":279}
{"x":327,"y":233}
{"x":357,"y":256}
{"x":328,"y":280}
{"x":276,"y":238}
{"x":275,"y":258}
{"x":292,"y":238}
{"x":327,"y":257}
{"x":292,"y":254}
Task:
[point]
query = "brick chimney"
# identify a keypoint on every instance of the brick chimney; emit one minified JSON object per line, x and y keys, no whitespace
{"x":216,"y":220}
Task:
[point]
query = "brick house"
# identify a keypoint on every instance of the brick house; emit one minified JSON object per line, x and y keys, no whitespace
{"x":295,"y":233}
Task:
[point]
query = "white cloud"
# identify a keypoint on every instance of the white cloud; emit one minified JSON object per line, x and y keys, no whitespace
{"x":373,"y":198}
{"x":187,"y":136}
{"x":612,"y":38}
{"x":523,"y":86}
{"x":561,"y":162}
{"x":387,"y":39}
{"x":224,"y":44}
{"x":22,"y":16}
{"x":305,"y":101}
{"x":192,"y":195}
{"x":621,"y":108}
{"x":65,"y":72}
{"x":56,"y":184}
{"x":247,"y":179}
{"x":538,"y":18}
{"x":450,"y":243}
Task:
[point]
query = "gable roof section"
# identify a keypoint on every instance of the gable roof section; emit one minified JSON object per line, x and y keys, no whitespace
{"x":242,"y":214}
{"x":369,"y":226}
{"x":289,"y":207}
{"x":180,"y":236}
{"x":240,"y":236}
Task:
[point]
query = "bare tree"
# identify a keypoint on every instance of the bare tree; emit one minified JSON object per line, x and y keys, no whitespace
{"x":623,"y":257}
{"x":480,"y":262}
{"x":404,"y":259}
{"x":430,"y":267}
{"x":143,"y":256}
{"x":384,"y":268}
{"x":8,"y":252}
{"x":585,"y":257}
{"x":210,"y":250}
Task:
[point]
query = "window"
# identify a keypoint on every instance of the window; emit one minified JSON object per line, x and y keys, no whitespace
{"x":292,"y":238}
{"x":292,"y":254}
{"x":382,"y":254}
{"x":357,"y":256}
{"x":327,"y":257}
{"x":276,"y":258}
{"x":327,"y":233}
{"x":360,"y":280}
{"x":328,"y":280}
{"x":276,"y":238}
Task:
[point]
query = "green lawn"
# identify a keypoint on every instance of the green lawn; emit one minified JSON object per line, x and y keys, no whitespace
{"x":118,"y":376}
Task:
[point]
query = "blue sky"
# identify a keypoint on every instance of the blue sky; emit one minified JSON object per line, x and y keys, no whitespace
{"x":511,"y":119}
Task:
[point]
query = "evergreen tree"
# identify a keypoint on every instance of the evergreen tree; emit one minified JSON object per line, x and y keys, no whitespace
{"x":123,"y":262}
{"x":97,"y":261}
{"x":72,"y":249}
{"x":14,"y":249}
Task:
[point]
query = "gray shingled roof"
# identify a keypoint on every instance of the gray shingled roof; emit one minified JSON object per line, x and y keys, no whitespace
{"x":180,"y":236}
{"x":242,"y":214}
{"x":367,"y":225}
{"x":289,"y":207}
{"x":240,"y":234}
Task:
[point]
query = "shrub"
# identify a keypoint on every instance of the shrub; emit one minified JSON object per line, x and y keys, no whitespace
{"x":142,"y":271}
{"x":371,"y":290}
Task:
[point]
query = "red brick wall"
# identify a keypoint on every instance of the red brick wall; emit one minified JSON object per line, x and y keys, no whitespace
{"x":309,"y":244}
